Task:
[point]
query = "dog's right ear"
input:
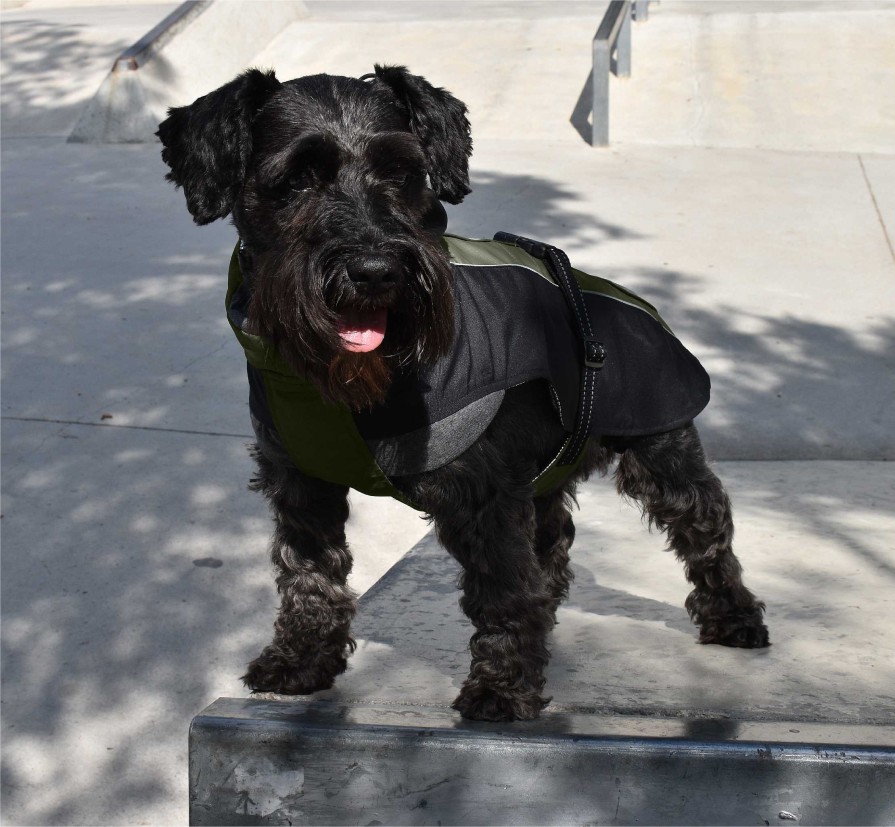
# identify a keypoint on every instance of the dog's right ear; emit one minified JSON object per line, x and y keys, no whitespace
{"x":208,"y":143}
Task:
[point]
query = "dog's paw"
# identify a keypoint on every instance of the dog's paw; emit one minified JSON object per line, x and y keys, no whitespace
{"x":273,"y":671}
{"x":484,"y":703}
{"x":729,"y":619}
{"x":744,"y":630}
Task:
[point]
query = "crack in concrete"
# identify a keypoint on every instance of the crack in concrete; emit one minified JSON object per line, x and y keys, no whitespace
{"x":879,"y":214}
{"x":124,"y":427}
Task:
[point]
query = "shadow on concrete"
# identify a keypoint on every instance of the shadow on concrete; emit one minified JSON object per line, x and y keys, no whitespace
{"x":589,"y":595}
{"x":783,"y":388}
{"x":113,"y":635}
{"x":45,"y":70}
{"x":115,"y":628}
{"x":582,"y":114}
{"x":547,"y":207}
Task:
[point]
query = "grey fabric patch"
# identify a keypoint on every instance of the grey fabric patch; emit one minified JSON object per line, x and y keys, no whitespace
{"x":438,"y":444}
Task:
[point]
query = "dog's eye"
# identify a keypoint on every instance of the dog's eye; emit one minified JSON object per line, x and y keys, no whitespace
{"x":407,"y":178}
{"x":301,"y":181}
{"x":287,"y":188}
{"x":299,"y":185}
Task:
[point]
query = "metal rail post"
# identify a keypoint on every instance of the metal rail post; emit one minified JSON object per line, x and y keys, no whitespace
{"x":614,"y":34}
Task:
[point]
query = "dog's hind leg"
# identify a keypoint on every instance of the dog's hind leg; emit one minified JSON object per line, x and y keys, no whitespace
{"x":554,"y":535}
{"x":668,"y":475}
{"x":312,"y":631}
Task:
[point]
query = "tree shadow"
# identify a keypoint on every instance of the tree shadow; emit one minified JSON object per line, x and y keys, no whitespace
{"x":114,"y":632}
{"x":540,"y":208}
{"x":44,"y":67}
{"x":784,"y":388}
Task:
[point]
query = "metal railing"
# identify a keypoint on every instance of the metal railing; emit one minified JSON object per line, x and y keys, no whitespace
{"x":612,"y":52}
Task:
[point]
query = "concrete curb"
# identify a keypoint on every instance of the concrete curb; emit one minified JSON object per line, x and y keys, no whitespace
{"x":199,"y":46}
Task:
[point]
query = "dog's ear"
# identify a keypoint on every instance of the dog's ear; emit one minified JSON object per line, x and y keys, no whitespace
{"x":208,"y":143}
{"x":438,"y":119}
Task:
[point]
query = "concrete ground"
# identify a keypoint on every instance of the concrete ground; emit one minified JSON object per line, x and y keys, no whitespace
{"x":749,"y":194}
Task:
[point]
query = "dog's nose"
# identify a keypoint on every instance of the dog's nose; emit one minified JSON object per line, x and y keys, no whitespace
{"x":372,"y":270}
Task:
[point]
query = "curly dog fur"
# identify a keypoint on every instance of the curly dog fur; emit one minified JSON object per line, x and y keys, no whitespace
{"x":334,"y":186}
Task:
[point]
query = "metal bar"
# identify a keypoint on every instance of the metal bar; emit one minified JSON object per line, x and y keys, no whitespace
{"x":641,"y":10}
{"x":612,"y":20}
{"x":616,"y":23}
{"x":136,"y":55}
{"x":623,"y":47}
{"x":600,"y":107}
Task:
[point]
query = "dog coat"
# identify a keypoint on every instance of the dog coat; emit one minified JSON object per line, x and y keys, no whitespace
{"x":512,"y":325}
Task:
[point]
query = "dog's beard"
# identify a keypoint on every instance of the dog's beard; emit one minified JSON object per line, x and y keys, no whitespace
{"x":360,"y":380}
{"x":295,"y":317}
{"x":429,"y":318}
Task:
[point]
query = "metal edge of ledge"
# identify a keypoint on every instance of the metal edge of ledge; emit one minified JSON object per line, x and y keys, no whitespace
{"x":557,"y":722}
{"x":136,"y":55}
{"x":273,"y":761}
{"x":178,"y":61}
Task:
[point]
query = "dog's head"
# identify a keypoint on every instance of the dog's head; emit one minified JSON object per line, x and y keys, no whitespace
{"x":334,"y":185}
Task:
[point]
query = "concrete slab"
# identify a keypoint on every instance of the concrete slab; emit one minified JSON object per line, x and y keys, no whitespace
{"x":200,"y":47}
{"x":106,"y":319}
{"x":791,"y":77}
{"x":816,"y":541}
{"x":880,"y":173}
{"x":538,"y":52}
{"x":794,"y":77}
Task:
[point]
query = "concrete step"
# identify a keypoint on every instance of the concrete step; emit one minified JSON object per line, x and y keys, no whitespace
{"x":645,"y":725}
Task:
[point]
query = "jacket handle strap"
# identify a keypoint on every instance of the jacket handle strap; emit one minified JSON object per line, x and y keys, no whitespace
{"x":592,"y":351}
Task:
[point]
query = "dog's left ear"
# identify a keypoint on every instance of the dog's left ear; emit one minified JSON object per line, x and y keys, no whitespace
{"x":208,"y":143}
{"x":438,"y":119}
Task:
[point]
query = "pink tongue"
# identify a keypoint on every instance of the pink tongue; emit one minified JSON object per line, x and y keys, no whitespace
{"x":362,"y":332}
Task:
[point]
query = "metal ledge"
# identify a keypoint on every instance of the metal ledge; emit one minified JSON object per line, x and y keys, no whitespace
{"x":136,"y":55}
{"x":265,"y":761}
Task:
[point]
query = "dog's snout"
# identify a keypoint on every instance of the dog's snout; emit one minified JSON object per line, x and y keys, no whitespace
{"x":372,"y":270}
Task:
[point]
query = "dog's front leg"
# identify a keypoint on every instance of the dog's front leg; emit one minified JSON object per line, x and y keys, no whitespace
{"x":312,"y":631}
{"x":669,"y":476}
{"x":506,"y":597}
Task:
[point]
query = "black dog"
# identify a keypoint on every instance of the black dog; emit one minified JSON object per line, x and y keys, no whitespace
{"x":343,"y":281}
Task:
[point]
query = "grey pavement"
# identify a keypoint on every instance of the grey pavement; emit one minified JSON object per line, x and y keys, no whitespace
{"x":759,"y":217}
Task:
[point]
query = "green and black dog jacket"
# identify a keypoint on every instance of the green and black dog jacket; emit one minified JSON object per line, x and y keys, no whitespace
{"x":512,"y":325}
